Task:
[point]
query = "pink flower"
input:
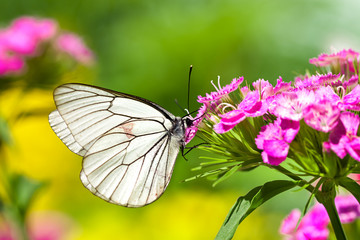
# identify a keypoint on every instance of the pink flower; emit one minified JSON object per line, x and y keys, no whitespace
{"x":332,"y":59}
{"x":328,"y":79}
{"x":221,"y":91}
{"x":312,"y":226}
{"x":26,"y":33}
{"x":290,"y":105}
{"x":314,"y":81}
{"x":252,"y":105}
{"x":42,"y":226}
{"x":321,"y":116}
{"x":281,"y":86}
{"x":275,"y":151}
{"x":10,"y":63}
{"x":308,"y":82}
{"x":351,"y":83}
{"x":244,"y":91}
{"x":190,"y":133}
{"x":327,"y":94}
{"x":229,"y":120}
{"x":289,"y":128}
{"x":41,"y":29}
{"x":348,"y":208}
{"x":355,"y":176}
{"x":264,"y":87}
{"x":274,"y":139}
{"x":288,"y":225}
{"x":192,"y":130}
{"x":343,"y":139}
{"x":75,"y":47}
{"x":351,"y":101}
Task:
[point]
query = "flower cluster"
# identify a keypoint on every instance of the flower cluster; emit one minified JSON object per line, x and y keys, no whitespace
{"x":322,"y":105}
{"x":28,"y":37}
{"x":306,"y":129}
{"x":314,"y":225}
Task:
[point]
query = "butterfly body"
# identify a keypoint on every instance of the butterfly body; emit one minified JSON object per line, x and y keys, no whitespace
{"x":129,"y":144}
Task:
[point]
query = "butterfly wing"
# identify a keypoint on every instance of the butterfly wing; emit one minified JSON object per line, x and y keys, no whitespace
{"x":129,"y":153}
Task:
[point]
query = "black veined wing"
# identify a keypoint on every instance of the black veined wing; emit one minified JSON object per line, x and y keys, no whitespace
{"x":129,"y":144}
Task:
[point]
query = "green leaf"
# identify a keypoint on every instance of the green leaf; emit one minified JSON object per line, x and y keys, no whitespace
{"x":5,"y":135}
{"x":23,"y":191}
{"x":352,"y":186}
{"x":248,"y":203}
{"x":227,"y":175}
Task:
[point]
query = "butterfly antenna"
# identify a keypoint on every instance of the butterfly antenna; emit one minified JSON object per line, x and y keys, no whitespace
{"x":178,"y":104}
{"x":188,"y":97}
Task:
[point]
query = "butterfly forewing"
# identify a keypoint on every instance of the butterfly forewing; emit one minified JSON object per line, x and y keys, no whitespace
{"x":129,"y":152}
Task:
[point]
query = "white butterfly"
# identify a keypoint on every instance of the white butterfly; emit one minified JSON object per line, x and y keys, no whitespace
{"x":129,"y":144}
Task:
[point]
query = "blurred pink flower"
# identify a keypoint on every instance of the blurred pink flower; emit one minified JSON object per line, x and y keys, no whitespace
{"x":41,"y":29}
{"x":356,"y":177}
{"x":289,"y":224}
{"x":312,"y":226}
{"x":73,"y":45}
{"x":348,"y":208}
{"x":50,"y":226}
{"x":26,"y":33}
{"x":10,"y":63}
{"x":342,"y":56}
{"x":42,"y":226}
{"x":328,"y":79}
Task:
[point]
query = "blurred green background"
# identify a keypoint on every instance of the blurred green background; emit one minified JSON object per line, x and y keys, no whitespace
{"x":145,"y":48}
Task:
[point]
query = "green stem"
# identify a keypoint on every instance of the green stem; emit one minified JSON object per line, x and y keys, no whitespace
{"x":291,"y":175}
{"x":327,"y":198}
{"x":334,"y":219}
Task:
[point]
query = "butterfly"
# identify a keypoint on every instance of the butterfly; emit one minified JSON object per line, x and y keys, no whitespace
{"x":129,"y":144}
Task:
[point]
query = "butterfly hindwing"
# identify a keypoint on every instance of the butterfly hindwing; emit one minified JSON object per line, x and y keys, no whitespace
{"x":129,"y":153}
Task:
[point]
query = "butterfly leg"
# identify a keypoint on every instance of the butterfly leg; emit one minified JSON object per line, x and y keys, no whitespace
{"x":183,"y":152}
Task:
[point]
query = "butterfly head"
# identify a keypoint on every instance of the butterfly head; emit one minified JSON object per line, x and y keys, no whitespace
{"x":187,"y":121}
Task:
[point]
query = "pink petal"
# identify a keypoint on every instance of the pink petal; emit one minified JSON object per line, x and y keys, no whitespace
{"x":252,"y":105}
{"x":190,"y":133}
{"x":275,"y":151}
{"x":351,"y":122}
{"x":353,"y":148}
{"x":352,"y":99}
{"x":348,"y":208}
{"x":272,"y":131}
{"x":289,"y":129}
{"x":321,"y":116}
{"x":281,"y":86}
{"x":75,"y":47}
{"x":233,"y":117}
{"x":289,"y":224}
{"x":223,"y":128}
